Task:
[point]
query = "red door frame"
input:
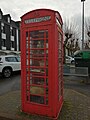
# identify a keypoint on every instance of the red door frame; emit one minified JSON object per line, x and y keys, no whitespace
{"x":50,"y":76}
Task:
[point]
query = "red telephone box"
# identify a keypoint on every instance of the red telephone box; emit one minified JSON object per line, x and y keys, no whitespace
{"x":42,"y":62}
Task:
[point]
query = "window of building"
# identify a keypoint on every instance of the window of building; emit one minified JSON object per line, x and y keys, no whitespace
{"x":0,"y":16}
{"x":12,"y":44}
{"x":3,"y":42}
{"x":11,"y":31}
{"x":2,"y":27}
{"x":8,"y":19}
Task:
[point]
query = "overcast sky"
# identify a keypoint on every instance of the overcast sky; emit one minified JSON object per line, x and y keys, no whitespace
{"x":67,"y":8}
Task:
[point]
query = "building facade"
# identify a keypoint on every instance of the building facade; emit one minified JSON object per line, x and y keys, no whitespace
{"x":9,"y":33}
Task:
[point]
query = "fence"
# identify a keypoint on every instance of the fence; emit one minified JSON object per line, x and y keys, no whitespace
{"x":76,"y":71}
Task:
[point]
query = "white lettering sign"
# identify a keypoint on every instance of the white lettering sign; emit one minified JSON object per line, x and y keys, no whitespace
{"x":34,"y":20}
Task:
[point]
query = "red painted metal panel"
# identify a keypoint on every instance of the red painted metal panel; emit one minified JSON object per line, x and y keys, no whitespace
{"x":42,"y":62}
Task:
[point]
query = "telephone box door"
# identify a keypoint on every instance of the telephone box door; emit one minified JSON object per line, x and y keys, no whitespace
{"x":36,"y":80}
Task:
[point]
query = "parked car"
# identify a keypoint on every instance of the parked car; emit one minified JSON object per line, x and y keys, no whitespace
{"x":8,"y":64}
{"x":70,"y":59}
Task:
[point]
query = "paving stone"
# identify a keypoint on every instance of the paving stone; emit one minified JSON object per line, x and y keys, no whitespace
{"x":76,"y":107}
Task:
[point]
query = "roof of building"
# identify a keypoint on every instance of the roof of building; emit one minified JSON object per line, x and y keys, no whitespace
{"x":4,"y":18}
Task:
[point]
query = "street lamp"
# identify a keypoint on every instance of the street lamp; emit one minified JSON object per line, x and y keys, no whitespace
{"x":82,"y":24}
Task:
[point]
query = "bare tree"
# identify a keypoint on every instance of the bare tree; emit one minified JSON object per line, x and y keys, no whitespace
{"x":87,"y":30}
{"x":71,"y":32}
{"x":86,"y":45}
{"x":77,"y":47}
{"x":72,"y":46}
{"x":87,"y":26}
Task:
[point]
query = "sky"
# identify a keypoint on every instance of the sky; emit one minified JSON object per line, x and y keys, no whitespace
{"x":67,"y":8}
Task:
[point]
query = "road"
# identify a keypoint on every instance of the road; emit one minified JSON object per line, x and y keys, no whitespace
{"x":10,"y":84}
{"x":77,"y":84}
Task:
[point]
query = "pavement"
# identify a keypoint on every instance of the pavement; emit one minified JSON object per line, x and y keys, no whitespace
{"x":76,"y":106}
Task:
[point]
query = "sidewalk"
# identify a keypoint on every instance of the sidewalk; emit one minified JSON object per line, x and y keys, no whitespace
{"x":9,"y":104}
{"x":76,"y":107}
